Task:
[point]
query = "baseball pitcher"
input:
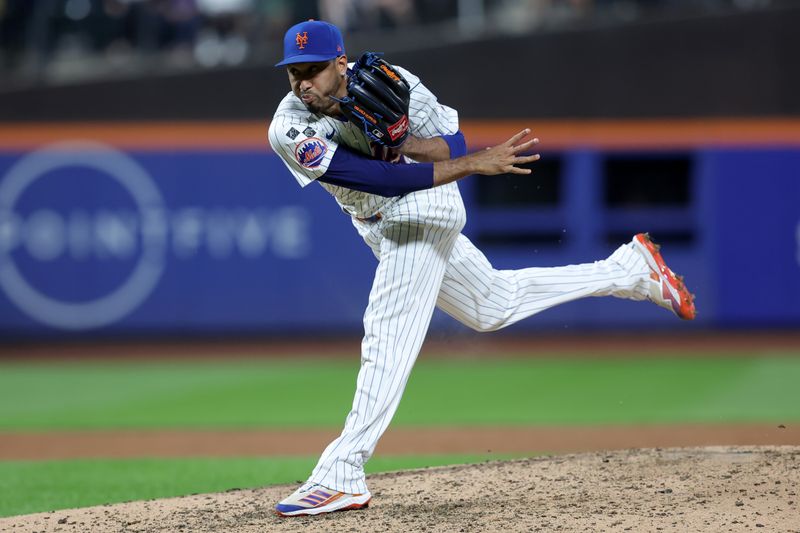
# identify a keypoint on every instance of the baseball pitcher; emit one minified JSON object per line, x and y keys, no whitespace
{"x":382,"y":145}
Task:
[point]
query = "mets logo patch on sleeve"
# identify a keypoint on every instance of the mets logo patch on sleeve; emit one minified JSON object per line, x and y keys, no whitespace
{"x":311,"y":152}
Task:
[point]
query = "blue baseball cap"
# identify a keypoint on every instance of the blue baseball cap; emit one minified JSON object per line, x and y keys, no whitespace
{"x":310,"y":41}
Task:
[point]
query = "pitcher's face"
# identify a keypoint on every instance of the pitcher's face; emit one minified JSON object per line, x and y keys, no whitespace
{"x":315,"y":83}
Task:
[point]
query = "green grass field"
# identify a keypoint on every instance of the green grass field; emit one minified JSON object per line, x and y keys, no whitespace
{"x":237,"y":393}
{"x":36,"y":486}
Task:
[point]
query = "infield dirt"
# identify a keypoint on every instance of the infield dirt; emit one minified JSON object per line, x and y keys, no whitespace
{"x":680,"y":489}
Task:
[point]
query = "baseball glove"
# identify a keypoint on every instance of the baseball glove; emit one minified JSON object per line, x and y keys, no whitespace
{"x":377,"y":99}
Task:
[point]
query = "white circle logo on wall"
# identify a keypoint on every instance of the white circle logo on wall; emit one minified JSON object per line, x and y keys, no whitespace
{"x":136,"y":287}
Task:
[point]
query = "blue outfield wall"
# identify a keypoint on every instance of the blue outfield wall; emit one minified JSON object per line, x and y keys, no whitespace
{"x":93,"y":240}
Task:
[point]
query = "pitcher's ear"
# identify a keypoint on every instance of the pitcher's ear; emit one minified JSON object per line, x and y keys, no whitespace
{"x":341,"y":65}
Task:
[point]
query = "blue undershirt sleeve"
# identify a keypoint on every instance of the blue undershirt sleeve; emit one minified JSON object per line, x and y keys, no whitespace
{"x":358,"y":172}
{"x":457,"y":144}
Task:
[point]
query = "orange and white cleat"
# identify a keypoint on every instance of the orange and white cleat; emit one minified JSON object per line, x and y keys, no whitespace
{"x":312,"y":499}
{"x":667,"y":289}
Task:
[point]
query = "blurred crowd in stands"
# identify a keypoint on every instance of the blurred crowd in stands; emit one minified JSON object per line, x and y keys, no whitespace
{"x":188,"y":33}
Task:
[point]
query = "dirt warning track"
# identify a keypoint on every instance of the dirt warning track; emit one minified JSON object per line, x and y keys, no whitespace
{"x":400,"y":440}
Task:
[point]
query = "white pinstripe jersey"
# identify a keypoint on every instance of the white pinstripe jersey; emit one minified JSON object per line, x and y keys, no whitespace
{"x":306,"y":141}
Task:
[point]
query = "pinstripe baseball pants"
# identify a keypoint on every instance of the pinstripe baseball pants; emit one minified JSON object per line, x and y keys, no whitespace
{"x":425,"y":262}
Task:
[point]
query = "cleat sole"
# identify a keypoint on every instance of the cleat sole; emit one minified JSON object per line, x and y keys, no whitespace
{"x":685,"y":308}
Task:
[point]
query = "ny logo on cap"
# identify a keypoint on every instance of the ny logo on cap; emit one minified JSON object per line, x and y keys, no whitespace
{"x":301,"y":40}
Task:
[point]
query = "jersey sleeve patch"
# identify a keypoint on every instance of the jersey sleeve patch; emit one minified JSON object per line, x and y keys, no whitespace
{"x":310,"y":152}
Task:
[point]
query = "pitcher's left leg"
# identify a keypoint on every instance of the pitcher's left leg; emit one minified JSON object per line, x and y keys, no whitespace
{"x":401,"y":303}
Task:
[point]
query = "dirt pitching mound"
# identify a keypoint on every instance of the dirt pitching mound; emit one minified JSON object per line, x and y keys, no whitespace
{"x":684,"y":489}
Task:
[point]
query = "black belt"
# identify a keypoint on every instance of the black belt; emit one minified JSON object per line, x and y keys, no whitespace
{"x":374,"y":218}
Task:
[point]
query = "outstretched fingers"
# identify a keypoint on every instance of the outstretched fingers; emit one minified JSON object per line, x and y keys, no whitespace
{"x":517,"y":170}
{"x":526,"y":159}
{"x":524,"y":146}
{"x":521,"y":160}
{"x":518,"y":137}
